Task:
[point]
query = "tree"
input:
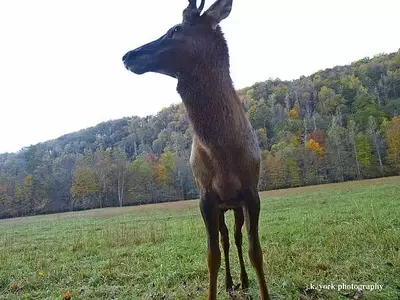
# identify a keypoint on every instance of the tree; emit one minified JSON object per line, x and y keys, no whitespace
{"x":280,"y":94}
{"x":262,"y":138}
{"x":364,"y":150}
{"x":393,"y":143}
{"x":393,"y":107}
{"x":352,"y":135}
{"x":393,"y":83}
{"x":160,"y":174}
{"x":315,"y":146}
{"x":103,"y":170}
{"x":329,"y":101}
{"x":364,"y":107}
{"x":272,"y":174}
{"x":168,"y":161}
{"x":258,"y":113}
{"x":350,"y":87}
{"x":335,"y":135}
{"x":317,"y":135}
{"x":373,"y":133}
{"x":84,"y":185}
{"x":294,"y":172}
{"x":28,"y":193}
{"x":294,"y":113}
{"x":119,"y":165}
{"x":141,"y":180}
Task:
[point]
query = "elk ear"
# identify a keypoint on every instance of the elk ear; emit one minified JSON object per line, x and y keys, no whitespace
{"x":219,"y":11}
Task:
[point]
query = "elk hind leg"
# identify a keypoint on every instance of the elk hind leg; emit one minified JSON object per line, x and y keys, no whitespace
{"x":239,"y":221}
{"x":225,"y":245}
{"x":251,"y":211}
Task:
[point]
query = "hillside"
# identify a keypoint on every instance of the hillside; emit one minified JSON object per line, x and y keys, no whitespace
{"x":336,"y":125}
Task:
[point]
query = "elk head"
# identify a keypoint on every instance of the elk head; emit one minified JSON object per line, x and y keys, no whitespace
{"x":195,"y":43}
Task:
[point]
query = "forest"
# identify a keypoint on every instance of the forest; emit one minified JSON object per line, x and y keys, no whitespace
{"x":336,"y":125}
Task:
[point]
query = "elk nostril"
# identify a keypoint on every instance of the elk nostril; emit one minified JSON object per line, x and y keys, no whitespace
{"x":125,"y":57}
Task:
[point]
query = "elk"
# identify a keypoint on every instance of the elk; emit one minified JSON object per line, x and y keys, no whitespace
{"x":225,"y":156}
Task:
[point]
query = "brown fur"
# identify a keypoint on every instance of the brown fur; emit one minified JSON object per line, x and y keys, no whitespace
{"x":225,"y":156}
{"x":225,"y":152}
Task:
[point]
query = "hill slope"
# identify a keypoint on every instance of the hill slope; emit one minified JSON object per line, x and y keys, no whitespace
{"x":335,"y":125}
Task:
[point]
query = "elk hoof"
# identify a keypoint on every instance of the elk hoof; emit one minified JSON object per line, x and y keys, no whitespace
{"x":230,"y":291}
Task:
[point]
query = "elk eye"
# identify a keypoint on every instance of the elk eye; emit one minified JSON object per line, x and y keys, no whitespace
{"x":174,"y":30}
{"x":177,"y":28}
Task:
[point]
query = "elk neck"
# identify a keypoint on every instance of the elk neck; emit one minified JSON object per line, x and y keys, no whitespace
{"x":213,"y":107}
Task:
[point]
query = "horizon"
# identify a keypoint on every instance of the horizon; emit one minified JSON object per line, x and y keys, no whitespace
{"x":89,"y":87}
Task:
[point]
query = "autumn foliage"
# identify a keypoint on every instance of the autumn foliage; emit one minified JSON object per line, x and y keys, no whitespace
{"x":84,"y":183}
{"x":315,"y":146}
{"x":393,"y":142}
{"x":335,"y":125}
{"x":318,"y":136}
{"x":294,"y":114}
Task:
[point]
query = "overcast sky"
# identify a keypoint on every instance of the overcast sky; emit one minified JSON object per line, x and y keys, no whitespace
{"x":61,"y":68}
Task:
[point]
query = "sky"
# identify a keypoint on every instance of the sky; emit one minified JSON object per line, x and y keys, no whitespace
{"x":61,"y":61}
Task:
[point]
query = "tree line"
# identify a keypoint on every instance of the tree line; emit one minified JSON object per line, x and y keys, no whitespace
{"x":337,"y":124}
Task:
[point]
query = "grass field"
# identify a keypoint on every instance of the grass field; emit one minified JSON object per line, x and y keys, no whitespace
{"x":332,"y":234}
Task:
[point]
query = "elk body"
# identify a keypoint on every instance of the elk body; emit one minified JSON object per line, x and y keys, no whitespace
{"x":225,"y":157}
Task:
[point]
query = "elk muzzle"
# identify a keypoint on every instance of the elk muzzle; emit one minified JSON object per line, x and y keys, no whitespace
{"x":147,"y":58}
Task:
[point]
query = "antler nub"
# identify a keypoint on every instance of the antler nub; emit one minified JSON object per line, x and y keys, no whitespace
{"x":192,"y":4}
{"x":192,"y":11}
{"x":200,"y":9}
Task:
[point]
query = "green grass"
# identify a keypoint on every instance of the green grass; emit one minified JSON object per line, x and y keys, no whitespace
{"x":332,"y":234}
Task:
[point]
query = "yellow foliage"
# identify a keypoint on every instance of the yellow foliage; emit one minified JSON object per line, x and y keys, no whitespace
{"x":315,"y":146}
{"x":262,"y":134}
{"x":393,"y":142}
{"x":160,"y":173}
{"x":272,"y":172}
{"x":84,"y":183}
{"x":168,"y":160}
{"x":296,"y":141}
{"x":28,"y":180}
{"x":294,"y":114}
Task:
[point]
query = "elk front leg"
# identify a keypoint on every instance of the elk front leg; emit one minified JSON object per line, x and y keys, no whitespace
{"x":251,"y":211}
{"x":239,"y":221}
{"x":225,"y":245}
{"x":210,"y":213}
